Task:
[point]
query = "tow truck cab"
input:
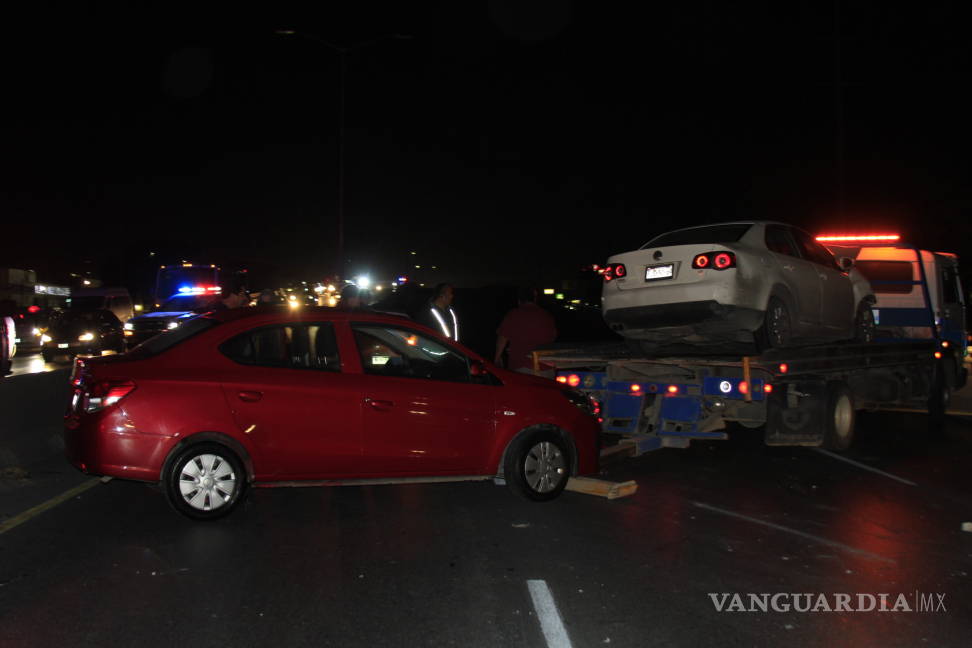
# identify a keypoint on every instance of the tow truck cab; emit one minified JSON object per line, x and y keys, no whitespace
{"x":918,"y":293}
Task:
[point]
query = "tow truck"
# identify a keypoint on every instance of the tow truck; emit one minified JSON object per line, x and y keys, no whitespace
{"x":805,"y":396}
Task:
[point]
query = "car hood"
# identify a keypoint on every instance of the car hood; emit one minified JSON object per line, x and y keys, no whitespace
{"x":162,"y":315}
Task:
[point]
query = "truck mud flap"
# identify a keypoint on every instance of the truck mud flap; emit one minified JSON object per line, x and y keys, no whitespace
{"x":796,"y":415}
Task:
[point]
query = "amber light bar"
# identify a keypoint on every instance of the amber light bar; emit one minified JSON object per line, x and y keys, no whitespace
{"x":861,"y":237}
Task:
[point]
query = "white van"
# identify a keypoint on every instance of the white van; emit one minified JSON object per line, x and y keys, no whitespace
{"x":117,"y":300}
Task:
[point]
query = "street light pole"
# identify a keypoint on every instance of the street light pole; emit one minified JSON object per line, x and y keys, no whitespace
{"x":342,"y":52}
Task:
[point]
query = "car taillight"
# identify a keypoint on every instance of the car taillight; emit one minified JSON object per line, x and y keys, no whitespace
{"x":717,"y":260}
{"x":614,"y":271}
{"x":107,"y":393}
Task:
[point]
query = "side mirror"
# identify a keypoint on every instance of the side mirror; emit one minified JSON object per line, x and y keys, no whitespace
{"x":478,"y":369}
{"x":845,"y":263}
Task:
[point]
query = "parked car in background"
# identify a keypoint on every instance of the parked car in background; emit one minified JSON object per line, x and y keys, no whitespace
{"x":280,"y":395}
{"x":77,"y":332}
{"x":168,"y":316}
{"x":117,"y":300}
{"x":742,"y":282}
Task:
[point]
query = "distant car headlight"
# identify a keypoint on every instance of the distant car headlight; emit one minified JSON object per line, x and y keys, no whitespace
{"x":172,"y":325}
{"x":85,"y":337}
{"x":128,"y":326}
{"x":45,"y":338}
{"x":35,"y":332}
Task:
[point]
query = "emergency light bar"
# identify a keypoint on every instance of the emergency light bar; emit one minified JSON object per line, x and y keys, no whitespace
{"x":860,"y":237}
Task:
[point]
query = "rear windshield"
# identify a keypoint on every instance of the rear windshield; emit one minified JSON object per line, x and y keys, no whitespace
{"x":695,"y":235}
{"x":878,"y":272}
{"x":186,"y":303}
{"x":168,"y":339}
{"x":88,"y":302}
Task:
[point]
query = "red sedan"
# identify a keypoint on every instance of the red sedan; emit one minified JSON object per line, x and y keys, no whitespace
{"x":256,"y":396}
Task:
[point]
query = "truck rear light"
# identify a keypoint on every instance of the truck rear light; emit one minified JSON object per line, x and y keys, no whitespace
{"x":768,"y":388}
{"x":635,"y":388}
{"x":562,"y":379}
{"x":107,"y":393}
{"x":673,"y":389}
{"x":784,"y":367}
{"x":743,"y":387}
{"x":573,"y":380}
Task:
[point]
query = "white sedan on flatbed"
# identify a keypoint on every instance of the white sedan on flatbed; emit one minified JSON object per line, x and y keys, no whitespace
{"x":743,"y":282}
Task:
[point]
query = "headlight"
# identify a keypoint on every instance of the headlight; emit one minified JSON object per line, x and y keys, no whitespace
{"x":35,"y":332}
{"x":45,"y":338}
{"x":128,"y":326}
{"x":85,"y":337}
{"x":588,"y":404}
{"x":172,"y":325}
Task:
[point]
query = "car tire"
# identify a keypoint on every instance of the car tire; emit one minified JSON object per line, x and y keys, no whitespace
{"x":537,"y":465}
{"x":776,"y":330}
{"x":864,"y":326}
{"x":841,"y":417}
{"x":205,"y":481}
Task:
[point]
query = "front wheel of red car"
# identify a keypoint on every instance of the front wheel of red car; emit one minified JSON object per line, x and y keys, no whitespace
{"x":205,"y":481}
{"x":537,"y":465}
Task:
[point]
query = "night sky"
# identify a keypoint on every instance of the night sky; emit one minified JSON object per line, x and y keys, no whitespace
{"x":503,"y":141}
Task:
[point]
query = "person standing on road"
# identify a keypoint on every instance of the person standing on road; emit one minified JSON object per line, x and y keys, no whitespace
{"x":524,"y":328}
{"x":232,"y":294}
{"x":438,"y":313}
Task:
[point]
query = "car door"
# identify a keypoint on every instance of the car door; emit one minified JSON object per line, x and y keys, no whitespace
{"x":288,"y":394}
{"x":796,"y":273}
{"x":424,"y":414}
{"x":837,"y":307}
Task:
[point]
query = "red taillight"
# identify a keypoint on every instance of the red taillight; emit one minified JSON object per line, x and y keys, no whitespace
{"x":635,"y":388}
{"x":938,"y":355}
{"x":573,"y":380}
{"x":724,"y":260}
{"x":107,"y":393}
{"x":562,"y":379}
{"x":784,"y":367}
{"x":673,"y":389}
{"x":743,"y":387}
{"x":768,"y":388}
{"x":614,"y":271}
{"x":717,"y":260}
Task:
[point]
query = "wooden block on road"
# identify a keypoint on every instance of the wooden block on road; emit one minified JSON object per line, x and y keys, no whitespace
{"x":602,"y":488}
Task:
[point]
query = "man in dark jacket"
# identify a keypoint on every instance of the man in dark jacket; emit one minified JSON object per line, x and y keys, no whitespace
{"x":524,"y":328}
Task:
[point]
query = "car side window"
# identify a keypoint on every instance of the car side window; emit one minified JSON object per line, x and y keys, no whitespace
{"x":777,"y":240}
{"x":290,"y":346}
{"x":399,"y":352}
{"x":813,"y":251}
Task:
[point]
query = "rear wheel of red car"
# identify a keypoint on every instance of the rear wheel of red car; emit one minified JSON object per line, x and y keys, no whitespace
{"x":776,"y":330}
{"x":205,"y":481}
{"x":537,"y":465}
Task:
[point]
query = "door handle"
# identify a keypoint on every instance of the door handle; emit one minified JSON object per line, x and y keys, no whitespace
{"x":250,"y":396}
{"x":380,"y":405}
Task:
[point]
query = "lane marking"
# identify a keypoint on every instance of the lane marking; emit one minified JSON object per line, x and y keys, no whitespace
{"x":19,"y":519}
{"x":865,"y":466}
{"x":808,"y":536}
{"x":553,"y":627}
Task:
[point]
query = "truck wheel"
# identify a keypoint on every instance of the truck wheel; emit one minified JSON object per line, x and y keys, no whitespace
{"x":776,"y":329}
{"x":864,"y":326}
{"x":839,"y":431}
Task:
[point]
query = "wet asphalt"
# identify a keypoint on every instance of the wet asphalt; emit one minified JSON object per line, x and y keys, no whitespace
{"x":448,"y":564}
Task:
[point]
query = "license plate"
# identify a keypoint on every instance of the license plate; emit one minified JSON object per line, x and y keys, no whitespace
{"x":63,"y":345}
{"x":660,"y":272}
